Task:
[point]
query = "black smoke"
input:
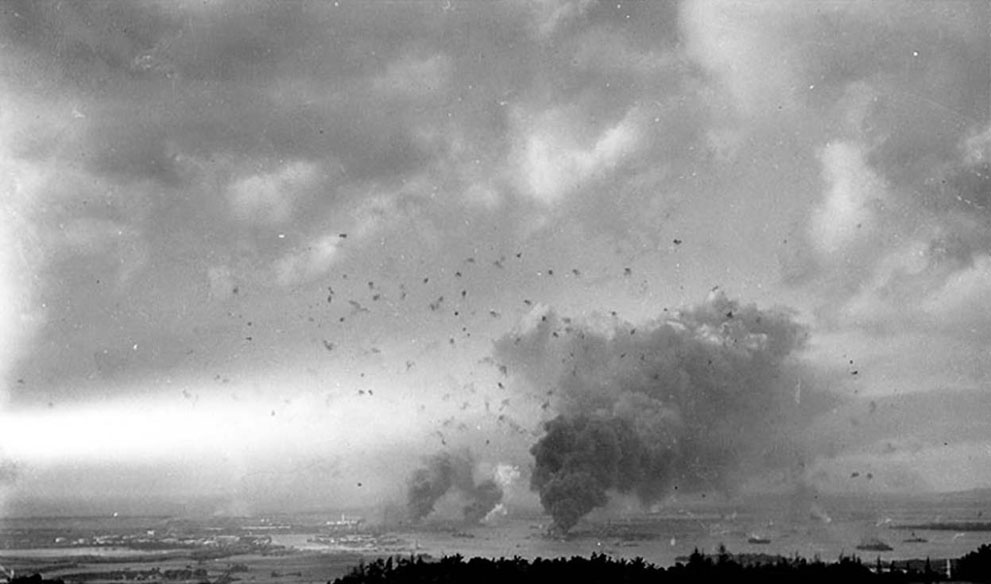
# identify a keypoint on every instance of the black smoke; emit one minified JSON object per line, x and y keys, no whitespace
{"x":579,"y":459}
{"x":444,"y":472}
{"x":483,"y":499}
{"x":689,"y":401}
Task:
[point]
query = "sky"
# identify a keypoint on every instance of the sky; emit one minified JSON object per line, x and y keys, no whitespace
{"x":265,"y":251}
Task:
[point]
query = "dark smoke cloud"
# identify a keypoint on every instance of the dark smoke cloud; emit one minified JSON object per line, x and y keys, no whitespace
{"x":579,"y":459}
{"x":483,"y":499}
{"x":688,"y":402}
{"x":443,"y":472}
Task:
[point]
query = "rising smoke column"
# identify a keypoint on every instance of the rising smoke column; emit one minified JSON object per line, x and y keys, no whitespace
{"x":482,"y":499}
{"x":580,"y":459}
{"x":445,"y":471}
{"x":683,"y":402}
{"x":427,"y":485}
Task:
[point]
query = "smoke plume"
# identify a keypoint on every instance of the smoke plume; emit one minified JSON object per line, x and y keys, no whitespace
{"x":685,"y":402}
{"x":442,"y":473}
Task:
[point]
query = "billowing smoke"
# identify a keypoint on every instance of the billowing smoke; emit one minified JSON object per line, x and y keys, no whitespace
{"x":579,"y":459}
{"x":442,"y":473}
{"x":687,"y":402}
{"x":483,"y":499}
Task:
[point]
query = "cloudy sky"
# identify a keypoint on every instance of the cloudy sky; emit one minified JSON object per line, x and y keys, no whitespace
{"x":251,"y":249}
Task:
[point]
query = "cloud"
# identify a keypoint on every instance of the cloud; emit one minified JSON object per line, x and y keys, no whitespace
{"x":584,"y":136}
{"x":743,"y":45}
{"x":414,"y":78}
{"x":9,"y":471}
{"x":854,"y":192}
{"x":608,"y":51}
{"x":214,"y":424}
{"x":374,"y":209}
{"x":269,"y":198}
{"x":770,"y":57}
{"x":964,"y":301}
{"x":549,"y":15}
{"x":221,"y":281}
{"x":892,"y":288}
{"x":896,"y":109}
{"x":554,"y":161}
{"x":90,"y":235}
{"x":977,"y":148}
{"x":931,"y":468}
{"x":21,"y":255}
{"x":309,"y":262}
{"x":20,"y":316}
{"x":908,"y":256}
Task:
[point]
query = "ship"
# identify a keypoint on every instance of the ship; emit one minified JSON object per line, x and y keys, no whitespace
{"x":873,"y":544}
{"x":339,"y":531}
{"x":356,"y":541}
{"x":345,"y":523}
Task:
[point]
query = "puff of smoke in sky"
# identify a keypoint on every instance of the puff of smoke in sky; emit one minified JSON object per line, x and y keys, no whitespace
{"x":687,"y":402}
{"x":443,"y":472}
{"x":506,"y":475}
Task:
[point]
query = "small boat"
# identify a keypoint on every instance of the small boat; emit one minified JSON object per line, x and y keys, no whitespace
{"x":756,"y":539}
{"x":873,"y":544}
{"x":915,"y":539}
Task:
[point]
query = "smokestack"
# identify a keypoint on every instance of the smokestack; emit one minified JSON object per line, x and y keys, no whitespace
{"x":681,"y":402}
{"x":443,"y":472}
